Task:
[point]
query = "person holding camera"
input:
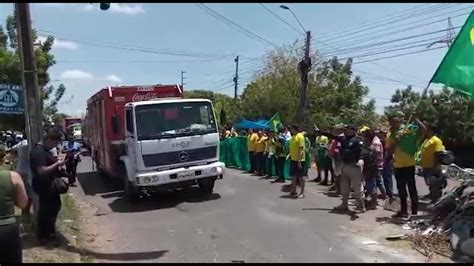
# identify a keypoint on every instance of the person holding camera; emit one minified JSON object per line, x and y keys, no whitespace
{"x":47,"y":184}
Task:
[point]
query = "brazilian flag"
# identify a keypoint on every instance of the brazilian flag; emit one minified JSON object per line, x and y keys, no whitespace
{"x":275,"y":123}
{"x":456,"y":70}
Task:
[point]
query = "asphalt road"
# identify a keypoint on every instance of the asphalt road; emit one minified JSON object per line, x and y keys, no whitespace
{"x":246,"y":219}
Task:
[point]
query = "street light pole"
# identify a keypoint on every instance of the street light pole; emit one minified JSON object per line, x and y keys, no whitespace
{"x":304,"y":67}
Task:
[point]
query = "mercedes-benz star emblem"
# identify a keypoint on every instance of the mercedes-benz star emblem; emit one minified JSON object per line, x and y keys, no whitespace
{"x":183,"y":156}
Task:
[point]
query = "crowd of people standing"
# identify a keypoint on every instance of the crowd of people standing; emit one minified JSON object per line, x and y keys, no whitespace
{"x":363,"y":161}
{"x":34,"y":185}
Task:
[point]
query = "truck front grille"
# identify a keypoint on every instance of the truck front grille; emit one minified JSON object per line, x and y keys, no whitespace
{"x":175,"y":157}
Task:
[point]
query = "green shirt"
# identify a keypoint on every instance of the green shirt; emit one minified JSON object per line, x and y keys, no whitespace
{"x":7,"y":199}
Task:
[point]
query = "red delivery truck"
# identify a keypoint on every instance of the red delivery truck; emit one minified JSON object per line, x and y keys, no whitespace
{"x":152,"y":138}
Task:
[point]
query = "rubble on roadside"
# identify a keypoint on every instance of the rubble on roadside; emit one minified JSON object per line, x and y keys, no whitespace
{"x":448,"y":230}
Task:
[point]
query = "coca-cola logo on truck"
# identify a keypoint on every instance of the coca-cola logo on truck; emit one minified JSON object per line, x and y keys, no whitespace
{"x":137,"y":97}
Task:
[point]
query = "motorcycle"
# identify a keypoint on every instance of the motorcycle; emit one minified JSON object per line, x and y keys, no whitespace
{"x":437,"y":181}
{"x":450,"y":201}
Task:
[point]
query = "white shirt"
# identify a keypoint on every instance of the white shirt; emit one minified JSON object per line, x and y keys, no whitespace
{"x":23,"y":165}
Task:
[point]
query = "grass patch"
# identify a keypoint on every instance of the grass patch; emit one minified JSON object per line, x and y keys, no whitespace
{"x":68,"y":224}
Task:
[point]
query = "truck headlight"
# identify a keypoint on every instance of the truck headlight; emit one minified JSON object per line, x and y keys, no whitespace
{"x":213,"y":170}
{"x":147,"y":179}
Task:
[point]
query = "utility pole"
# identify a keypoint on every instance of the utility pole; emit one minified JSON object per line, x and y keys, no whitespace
{"x":33,"y":109}
{"x":182,"y":79}
{"x":304,"y":67}
{"x":236,"y":77}
{"x":450,"y":33}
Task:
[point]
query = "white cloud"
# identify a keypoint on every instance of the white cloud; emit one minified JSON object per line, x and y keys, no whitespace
{"x":61,"y":44}
{"x":76,"y":74}
{"x":127,"y":9}
{"x":113,"y":78}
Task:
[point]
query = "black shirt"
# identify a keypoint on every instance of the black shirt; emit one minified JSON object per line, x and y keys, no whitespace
{"x":351,"y":147}
{"x":40,"y":156}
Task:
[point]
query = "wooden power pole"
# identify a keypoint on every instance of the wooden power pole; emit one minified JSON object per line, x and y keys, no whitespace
{"x":33,"y":110}
{"x":304,"y":67}
{"x":236,"y":77}
{"x":182,"y":79}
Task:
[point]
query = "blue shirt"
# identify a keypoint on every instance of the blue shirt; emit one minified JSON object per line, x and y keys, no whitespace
{"x":71,"y":147}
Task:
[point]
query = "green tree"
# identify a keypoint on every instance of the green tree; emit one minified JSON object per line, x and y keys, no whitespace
{"x":334,"y":94}
{"x":450,"y":111}
{"x":10,"y":69}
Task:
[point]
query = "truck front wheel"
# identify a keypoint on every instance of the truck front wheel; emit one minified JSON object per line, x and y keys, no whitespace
{"x":132,"y":193}
{"x":206,"y":185}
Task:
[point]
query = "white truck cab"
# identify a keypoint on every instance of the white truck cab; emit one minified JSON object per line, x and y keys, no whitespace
{"x":170,"y":143}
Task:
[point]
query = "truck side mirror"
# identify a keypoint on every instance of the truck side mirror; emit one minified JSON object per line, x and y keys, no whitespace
{"x":115,"y":124}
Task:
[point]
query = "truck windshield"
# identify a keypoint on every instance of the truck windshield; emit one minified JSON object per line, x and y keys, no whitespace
{"x":168,"y":120}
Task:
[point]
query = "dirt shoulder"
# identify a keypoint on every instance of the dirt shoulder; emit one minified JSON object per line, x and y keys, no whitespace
{"x":78,"y":239}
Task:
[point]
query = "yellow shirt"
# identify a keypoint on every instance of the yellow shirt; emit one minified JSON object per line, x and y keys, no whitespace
{"x":252,"y":141}
{"x":260,"y":145}
{"x":428,"y":150}
{"x":297,"y":145}
{"x":322,"y":140}
{"x":400,"y":158}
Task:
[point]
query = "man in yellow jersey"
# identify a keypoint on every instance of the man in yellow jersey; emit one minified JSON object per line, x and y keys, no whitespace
{"x":260,"y":152}
{"x":402,"y":141}
{"x":252,"y":139}
{"x":429,"y":161}
{"x":297,"y":157}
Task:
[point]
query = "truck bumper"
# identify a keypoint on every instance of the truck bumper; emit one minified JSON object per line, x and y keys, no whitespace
{"x":177,"y":175}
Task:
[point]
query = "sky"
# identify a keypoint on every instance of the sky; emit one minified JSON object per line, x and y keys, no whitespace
{"x":144,"y":44}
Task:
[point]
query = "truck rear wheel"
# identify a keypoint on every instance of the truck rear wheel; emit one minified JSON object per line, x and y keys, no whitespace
{"x":206,"y":185}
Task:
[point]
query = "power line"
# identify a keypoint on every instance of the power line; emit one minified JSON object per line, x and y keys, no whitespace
{"x":281,"y":19}
{"x":397,"y":71}
{"x":375,"y":63}
{"x":135,"y":61}
{"x":374,"y":21}
{"x":385,"y":78}
{"x":397,"y":55}
{"x":235,"y":25}
{"x":390,"y":22}
{"x":375,"y":48}
{"x":401,"y":39}
{"x":385,"y":51}
{"x":369,"y":37}
{"x":137,"y":48}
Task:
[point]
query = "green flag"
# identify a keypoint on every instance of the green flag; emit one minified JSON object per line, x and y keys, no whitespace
{"x":411,"y":139}
{"x":275,"y":123}
{"x":457,"y":67}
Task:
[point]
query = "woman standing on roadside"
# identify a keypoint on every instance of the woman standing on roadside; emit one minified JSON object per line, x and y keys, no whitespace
{"x":12,"y":193}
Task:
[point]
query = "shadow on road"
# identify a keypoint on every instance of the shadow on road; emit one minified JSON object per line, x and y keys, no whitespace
{"x":92,"y":184}
{"x":162,"y":200}
{"x":63,"y":243}
{"x":351,"y":214}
